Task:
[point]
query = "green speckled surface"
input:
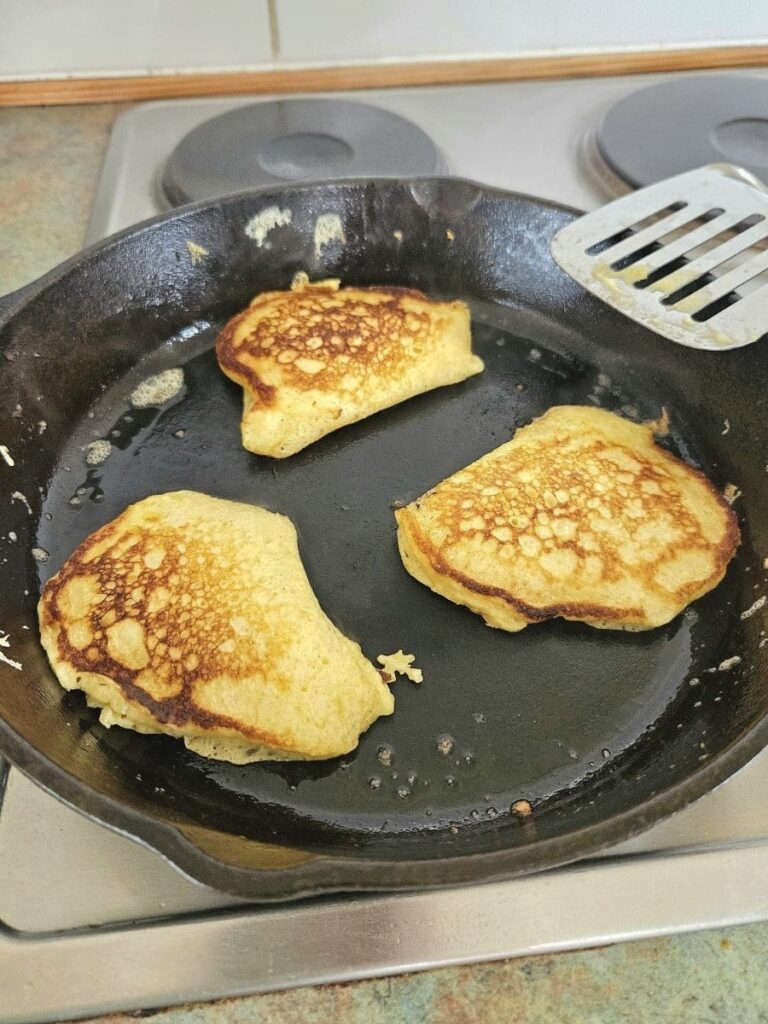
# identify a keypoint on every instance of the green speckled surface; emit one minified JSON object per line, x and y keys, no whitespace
{"x":49,"y":163}
{"x":50,"y":159}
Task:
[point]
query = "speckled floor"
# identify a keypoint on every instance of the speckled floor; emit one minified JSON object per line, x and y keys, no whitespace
{"x":50,"y":158}
{"x":49,"y":163}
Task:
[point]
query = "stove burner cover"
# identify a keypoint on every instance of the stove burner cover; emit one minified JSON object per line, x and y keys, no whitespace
{"x":281,"y":141}
{"x":685,"y":123}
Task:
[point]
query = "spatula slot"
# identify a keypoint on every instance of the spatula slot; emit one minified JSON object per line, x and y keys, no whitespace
{"x":687,"y":289}
{"x":633,"y":229}
{"x":713,"y":308}
{"x":679,"y":231}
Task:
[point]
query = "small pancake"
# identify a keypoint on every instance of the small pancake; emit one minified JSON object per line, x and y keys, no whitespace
{"x":581,"y":516}
{"x":317,"y":357}
{"x":193,"y":616}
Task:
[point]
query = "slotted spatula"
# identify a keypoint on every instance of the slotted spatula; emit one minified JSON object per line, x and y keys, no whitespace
{"x":686,"y":257}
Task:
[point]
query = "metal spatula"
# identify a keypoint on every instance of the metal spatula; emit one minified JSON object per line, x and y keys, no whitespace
{"x":687,"y":257}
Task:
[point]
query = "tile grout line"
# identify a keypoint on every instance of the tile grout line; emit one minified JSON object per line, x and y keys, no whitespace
{"x":274,"y":29}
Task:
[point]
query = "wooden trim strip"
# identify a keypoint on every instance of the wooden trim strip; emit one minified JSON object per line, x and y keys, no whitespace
{"x":373,"y":76}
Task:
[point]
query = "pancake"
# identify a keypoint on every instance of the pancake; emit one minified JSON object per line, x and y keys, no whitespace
{"x":193,"y":616}
{"x":317,"y":357}
{"x":580,"y":516}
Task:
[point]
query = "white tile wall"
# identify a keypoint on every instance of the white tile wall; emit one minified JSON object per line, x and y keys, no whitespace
{"x":345,"y":30}
{"x":210,"y":33}
{"x":91,"y":37}
{"x":39,"y":38}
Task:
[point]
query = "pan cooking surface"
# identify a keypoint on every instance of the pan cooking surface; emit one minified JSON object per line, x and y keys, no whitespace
{"x":499,"y":717}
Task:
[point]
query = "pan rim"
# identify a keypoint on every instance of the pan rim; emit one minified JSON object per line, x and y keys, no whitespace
{"x":337,"y":873}
{"x":26,"y":292}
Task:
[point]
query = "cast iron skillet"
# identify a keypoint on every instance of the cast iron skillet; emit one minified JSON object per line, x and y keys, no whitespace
{"x":602,"y":732}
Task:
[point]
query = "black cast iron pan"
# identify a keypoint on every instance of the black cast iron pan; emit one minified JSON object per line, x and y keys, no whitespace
{"x":602,"y":732}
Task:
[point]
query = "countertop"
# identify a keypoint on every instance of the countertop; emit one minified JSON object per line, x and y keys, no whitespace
{"x":49,"y":163}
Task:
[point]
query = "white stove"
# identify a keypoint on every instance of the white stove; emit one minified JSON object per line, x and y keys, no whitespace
{"x":92,"y":922}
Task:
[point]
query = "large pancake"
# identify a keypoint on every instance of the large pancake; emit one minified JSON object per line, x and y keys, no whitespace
{"x":580,"y":515}
{"x":193,"y":616}
{"x":315,"y":358}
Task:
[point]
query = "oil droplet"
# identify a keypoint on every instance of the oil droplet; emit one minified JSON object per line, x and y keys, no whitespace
{"x":40,"y":554}
{"x":445,"y":744}
{"x":48,"y":516}
{"x":412,"y":778}
{"x":385,"y":755}
{"x":450,"y":779}
{"x":75,"y":500}
{"x":403,"y":792}
{"x":479,"y":717}
{"x":374,"y":782}
{"x":606,"y":753}
{"x":573,"y":755}
{"x":491,"y":812}
{"x":474,"y":814}
{"x":343,"y":766}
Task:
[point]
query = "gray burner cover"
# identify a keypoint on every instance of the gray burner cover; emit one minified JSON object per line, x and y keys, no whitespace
{"x":282,"y":141}
{"x":685,"y":123}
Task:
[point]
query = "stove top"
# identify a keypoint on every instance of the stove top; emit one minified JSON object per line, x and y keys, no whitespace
{"x":75,"y":893}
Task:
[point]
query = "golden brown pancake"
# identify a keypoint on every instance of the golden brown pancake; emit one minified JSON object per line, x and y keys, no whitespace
{"x":581,"y":516}
{"x":317,"y":357}
{"x":192,"y":616}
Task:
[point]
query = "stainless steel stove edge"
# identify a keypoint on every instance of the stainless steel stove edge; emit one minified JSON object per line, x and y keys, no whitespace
{"x":260,"y":950}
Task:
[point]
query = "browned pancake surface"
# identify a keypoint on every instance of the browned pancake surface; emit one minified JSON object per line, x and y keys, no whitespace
{"x":343,"y":335}
{"x":193,"y":616}
{"x":318,"y":357}
{"x":580,"y":515}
